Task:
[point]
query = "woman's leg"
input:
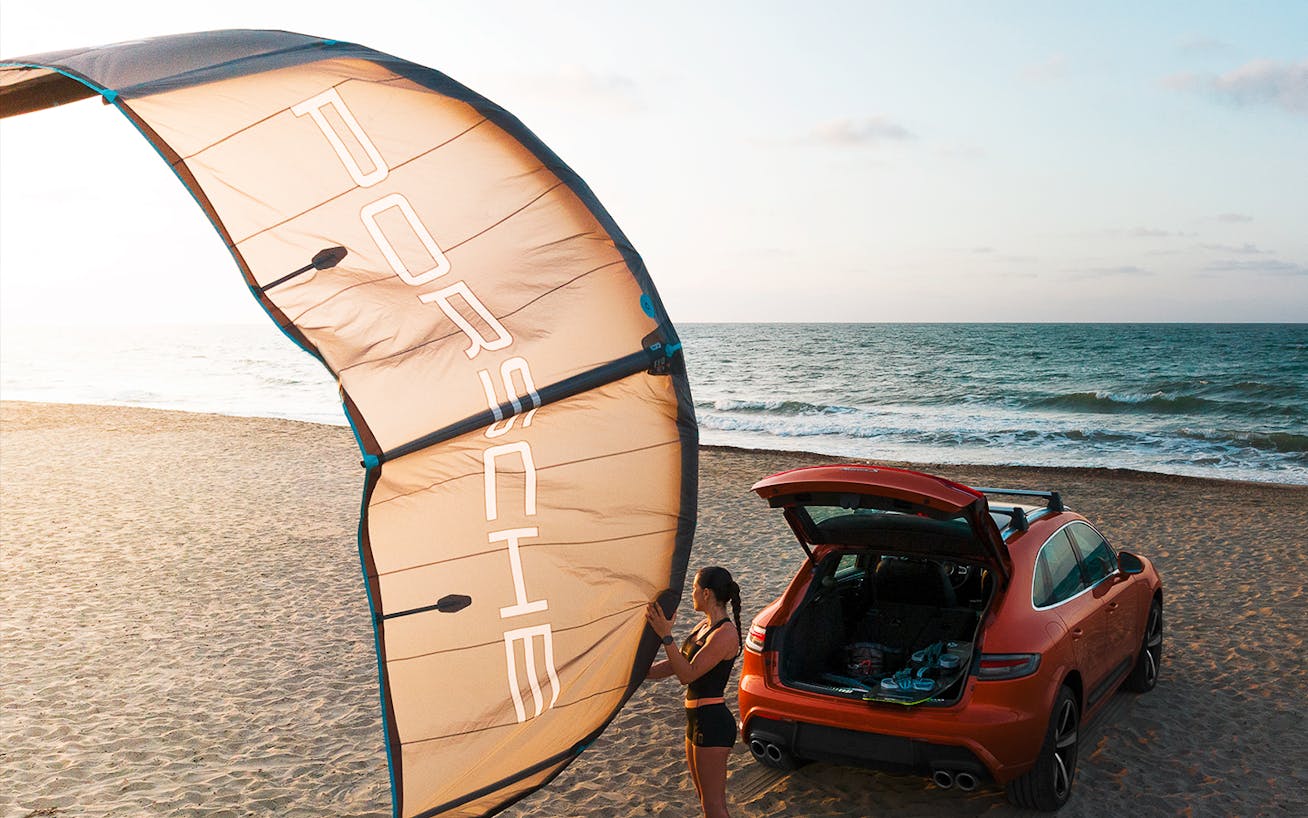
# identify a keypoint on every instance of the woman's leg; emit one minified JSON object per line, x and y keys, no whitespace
{"x":712,"y":777}
{"x":694,"y":769}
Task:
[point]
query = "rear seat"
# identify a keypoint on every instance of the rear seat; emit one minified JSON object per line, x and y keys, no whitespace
{"x":911,"y":627}
{"x":918,"y":582}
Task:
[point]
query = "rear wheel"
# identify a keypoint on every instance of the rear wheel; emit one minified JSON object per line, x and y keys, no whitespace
{"x":1049,"y":783}
{"x":1145,"y":673}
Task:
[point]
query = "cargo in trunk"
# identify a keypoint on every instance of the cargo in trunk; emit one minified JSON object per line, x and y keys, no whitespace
{"x":886,"y":628}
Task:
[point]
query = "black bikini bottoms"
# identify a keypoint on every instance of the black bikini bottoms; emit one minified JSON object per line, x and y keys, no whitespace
{"x":710,"y":725}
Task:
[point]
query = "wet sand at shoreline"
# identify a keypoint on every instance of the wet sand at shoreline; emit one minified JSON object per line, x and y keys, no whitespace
{"x":184,"y":631}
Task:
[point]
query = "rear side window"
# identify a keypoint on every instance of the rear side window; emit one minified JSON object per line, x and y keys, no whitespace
{"x":1096,"y":554}
{"x":848,"y":566}
{"x":1058,"y":574}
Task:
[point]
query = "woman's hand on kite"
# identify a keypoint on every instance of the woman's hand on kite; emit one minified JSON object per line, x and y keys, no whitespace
{"x":660,"y":624}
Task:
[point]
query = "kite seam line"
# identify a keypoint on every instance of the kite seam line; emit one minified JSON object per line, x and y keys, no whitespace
{"x":350,"y":190}
{"x":594,"y":378}
{"x":547,"y":191}
{"x":344,"y":290}
{"x":278,"y":113}
{"x":522,"y":546}
{"x":514,"y":311}
{"x":392,"y":660}
{"x":538,"y":469}
{"x":515,"y":724}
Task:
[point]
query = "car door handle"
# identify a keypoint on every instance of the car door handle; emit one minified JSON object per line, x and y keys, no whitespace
{"x":1077,"y":633}
{"x":1112,"y":606}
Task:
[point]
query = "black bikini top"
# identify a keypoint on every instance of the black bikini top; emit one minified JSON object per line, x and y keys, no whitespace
{"x":713,"y":683}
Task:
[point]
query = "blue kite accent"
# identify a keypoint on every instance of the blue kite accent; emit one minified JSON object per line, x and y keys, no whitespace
{"x":109,"y":94}
{"x":672,"y":349}
{"x":376,"y":643}
{"x":371,"y":461}
{"x":647,"y":305}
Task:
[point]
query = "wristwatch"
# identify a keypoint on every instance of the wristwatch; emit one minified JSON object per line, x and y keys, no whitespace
{"x":668,"y":640}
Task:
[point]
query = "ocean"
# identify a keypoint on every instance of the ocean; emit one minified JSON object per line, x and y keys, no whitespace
{"x":1211,"y":400}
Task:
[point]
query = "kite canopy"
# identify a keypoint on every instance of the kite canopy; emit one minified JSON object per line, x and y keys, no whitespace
{"x":512,"y":378}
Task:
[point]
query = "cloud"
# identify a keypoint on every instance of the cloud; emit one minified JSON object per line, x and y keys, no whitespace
{"x":1245,"y":249}
{"x":612,"y":93}
{"x":1234,"y":218}
{"x":1054,"y":68}
{"x":1199,"y":44}
{"x":993,"y":256}
{"x":1260,"y":82}
{"x":1261,"y":266}
{"x":1110,"y":272}
{"x":866,"y":131}
{"x":967,"y":152}
{"x":1148,"y":233}
{"x":1144,"y":233}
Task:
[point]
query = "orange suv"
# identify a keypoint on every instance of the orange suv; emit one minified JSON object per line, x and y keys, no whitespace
{"x":930,"y":631}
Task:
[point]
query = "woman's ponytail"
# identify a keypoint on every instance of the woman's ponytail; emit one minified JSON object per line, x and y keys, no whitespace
{"x":725,"y":590}
{"x":735,"y":612}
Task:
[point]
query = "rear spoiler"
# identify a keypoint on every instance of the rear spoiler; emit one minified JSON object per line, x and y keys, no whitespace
{"x":1053,"y":502}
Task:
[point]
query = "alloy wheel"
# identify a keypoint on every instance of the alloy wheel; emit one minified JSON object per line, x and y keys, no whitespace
{"x":1153,"y":645}
{"x":1064,"y":766}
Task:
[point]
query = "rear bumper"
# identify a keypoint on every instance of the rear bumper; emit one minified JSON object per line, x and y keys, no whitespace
{"x":819,"y":742}
{"x":987,"y":733}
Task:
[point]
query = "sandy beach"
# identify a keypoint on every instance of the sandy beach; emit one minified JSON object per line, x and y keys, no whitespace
{"x":184,"y":631}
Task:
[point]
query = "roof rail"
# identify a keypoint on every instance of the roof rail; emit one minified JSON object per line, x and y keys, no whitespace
{"x":1054,"y":500}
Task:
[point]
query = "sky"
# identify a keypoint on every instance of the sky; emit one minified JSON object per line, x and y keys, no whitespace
{"x":860,"y":162}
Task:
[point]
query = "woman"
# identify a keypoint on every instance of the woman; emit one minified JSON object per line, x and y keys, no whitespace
{"x":703,"y":665}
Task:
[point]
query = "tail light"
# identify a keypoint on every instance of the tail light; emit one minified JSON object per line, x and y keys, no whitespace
{"x":757,"y":637}
{"x":1007,"y":665}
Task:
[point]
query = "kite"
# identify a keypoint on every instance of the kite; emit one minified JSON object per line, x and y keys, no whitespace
{"x":516,"y":389}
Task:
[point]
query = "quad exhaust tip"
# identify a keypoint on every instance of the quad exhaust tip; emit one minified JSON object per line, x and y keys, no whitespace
{"x":765,"y":750}
{"x":944,"y":779}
